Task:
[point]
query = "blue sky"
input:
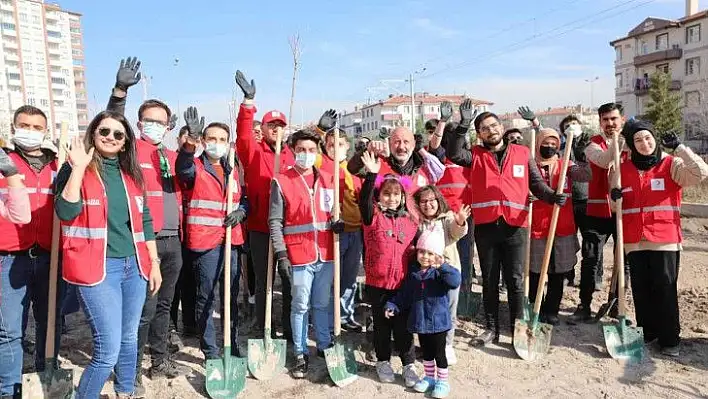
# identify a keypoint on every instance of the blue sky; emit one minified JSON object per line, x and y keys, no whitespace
{"x":509,"y":52}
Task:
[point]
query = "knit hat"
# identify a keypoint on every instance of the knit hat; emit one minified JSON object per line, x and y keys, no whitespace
{"x":642,"y":162}
{"x":432,"y":240}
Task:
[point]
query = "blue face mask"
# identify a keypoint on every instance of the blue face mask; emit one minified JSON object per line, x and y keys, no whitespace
{"x":153,"y":132}
{"x":305,"y":160}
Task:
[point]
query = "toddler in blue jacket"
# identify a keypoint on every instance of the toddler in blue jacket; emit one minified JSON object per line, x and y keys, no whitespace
{"x":424,"y":295}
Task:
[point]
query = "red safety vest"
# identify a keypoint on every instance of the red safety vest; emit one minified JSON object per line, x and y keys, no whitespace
{"x":84,"y":245}
{"x":40,"y":188}
{"x":500,"y":193}
{"x":306,"y":226}
{"x":598,"y":188}
{"x":388,"y":242}
{"x":542,"y":210}
{"x":419,"y":179}
{"x":149,"y":159}
{"x":651,"y":204}
{"x":455,"y":186}
{"x":206,"y":210}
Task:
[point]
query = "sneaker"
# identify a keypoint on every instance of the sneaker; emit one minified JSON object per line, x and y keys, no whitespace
{"x":441,"y":390}
{"x":551,"y":319}
{"x":385,"y":372}
{"x":671,"y":351}
{"x":486,"y":337}
{"x":301,"y":365}
{"x":410,"y":375}
{"x":167,"y":369}
{"x":450,"y":355}
{"x":175,"y":343}
{"x":352,"y":326}
{"x":139,"y":390}
{"x":581,"y":315}
{"x":251,"y":299}
{"x":424,"y":385}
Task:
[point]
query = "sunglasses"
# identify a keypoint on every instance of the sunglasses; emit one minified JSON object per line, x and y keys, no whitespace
{"x":117,"y":134}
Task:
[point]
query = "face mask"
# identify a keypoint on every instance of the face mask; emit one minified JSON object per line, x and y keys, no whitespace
{"x":547,"y":151}
{"x":153,"y":132}
{"x":28,"y":140}
{"x":305,"y":160}
{"x":215,"y":150}
{"x":575,"y":130}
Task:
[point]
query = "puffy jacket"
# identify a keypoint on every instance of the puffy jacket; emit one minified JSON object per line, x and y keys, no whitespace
{"x":424,"y":295}
{"x":388,"y":242}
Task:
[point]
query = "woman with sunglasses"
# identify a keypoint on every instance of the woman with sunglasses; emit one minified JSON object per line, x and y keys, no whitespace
{"x":108,"y":251}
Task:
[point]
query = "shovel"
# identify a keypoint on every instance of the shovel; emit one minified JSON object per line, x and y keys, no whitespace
{"x":226,"y":378}
{"x":611,"y":295}
{"x":525,"y":305}
{"x":469,"y":303}
{"x":339,"y":358}
{"x":532,"y":339}
{"x":266,"y":356}
{"x":622,"y":342}
{"x":53,"y":382}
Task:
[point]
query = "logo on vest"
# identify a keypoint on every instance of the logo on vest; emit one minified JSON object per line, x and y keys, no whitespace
{"x":92,"y":202}
{"x":518,"y":171}
{"x":422,"y":181}
{"x":657,"y":185}
{"x":146,"y":165}
{"x":326,"y":199}
{"x":139,"y":202}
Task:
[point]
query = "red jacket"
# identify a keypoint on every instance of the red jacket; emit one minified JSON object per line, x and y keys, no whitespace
{"x":149,"y":159}
{"x":500,"y":193}
{"x":388,"y":242}
{"x":542,"y":210}
{"x":454,"y":185}
{"x":84,"y":245}
{"x":651,"y":204}
{"x":258,"y":159}
{"x":206,"y":210}
{"x":40,"y":187}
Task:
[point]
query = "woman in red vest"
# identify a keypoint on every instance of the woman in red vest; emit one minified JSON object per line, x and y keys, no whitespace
{"x":108,"y":247}
{"x":651,"y":202}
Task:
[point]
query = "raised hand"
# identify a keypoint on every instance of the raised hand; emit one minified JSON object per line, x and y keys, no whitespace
{"x":526,"y":113}
{"x":463,"y":214}
{"x":445,"y":111}
{"x":78,"y":156}
{"x":327,"y":120}
{"x":194,"y":124}
{"x":371,"y":162}
{"x":248,"y":89}
{"x":7,"y":166}
{"x":670,"y":140}
{"x":467,"y":113}
{"x":128,"y":73}
{"x":384,"y":132}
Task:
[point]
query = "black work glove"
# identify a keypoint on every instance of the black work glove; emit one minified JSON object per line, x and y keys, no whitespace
{"x":128,"y":73}
{"x":248,"y":89}
{"x":7,"y":166}
{"x":579,"y":147}
{"x":526,"y":113}
{"x":445,"y":111}
{"x":616,"y":194}
{"x":327,"y":120}
{"x":418,"y":142}
{"x":467,"y":113}
{"x":173,"y":121}
{"x":194,"y":124}
{"x":337,"y":226}
{"x":284,"y":265}
{"x":558,"y":199}
{"x":670,"y":140}
{"x":234,"y":218}
{"x":360,"y":146}
{"x":384,"y":132}
{"x":532,"y":198}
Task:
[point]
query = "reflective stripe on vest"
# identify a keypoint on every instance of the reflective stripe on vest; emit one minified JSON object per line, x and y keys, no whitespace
{"x":490,"y":204}
{"x":153,"y":193}
{"x":658,"y":208}
{"x":139,"y":237}
{"x":452,"y":185}
{"x":84,"y":232}
{"x":31,"y":190}
{"x":207,"y":204}
{"x":205,"y":221}
{"x":597,"y":201}
{"x":305,"y":228}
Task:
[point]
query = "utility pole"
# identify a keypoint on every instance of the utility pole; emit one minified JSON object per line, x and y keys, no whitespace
{"x":410,"y":81}
{"x":146,"y":81}
{"x":592,"y":90}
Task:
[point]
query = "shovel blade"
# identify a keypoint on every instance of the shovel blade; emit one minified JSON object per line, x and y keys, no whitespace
{"x":341,"y":364}
{"x":468,"y":303}
{"x":266,"y":359}
{"x":49,"y":384}
{"x":624,"y":342}
{"x":531,"y":339}
{"x":225,"y":378}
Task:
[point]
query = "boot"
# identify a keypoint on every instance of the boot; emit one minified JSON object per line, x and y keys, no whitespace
{"x":490,"y":333}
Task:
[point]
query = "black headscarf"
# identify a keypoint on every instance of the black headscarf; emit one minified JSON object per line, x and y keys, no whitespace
{"x":642,"y":162}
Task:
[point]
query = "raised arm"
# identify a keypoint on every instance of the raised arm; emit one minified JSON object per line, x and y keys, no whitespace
{"x":128,"y":75}
{"x":245,"y":141}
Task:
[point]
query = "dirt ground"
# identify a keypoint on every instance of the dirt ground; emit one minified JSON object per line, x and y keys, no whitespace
{"x":576,"y":366}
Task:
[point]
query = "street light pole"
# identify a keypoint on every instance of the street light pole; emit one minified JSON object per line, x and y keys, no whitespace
{"x":410,"y":80}
{"x":592,"y":90}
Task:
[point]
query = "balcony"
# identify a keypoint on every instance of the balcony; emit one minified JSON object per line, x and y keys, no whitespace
{"x":674,"y":53}
{"x":392,"y":117}
{"x":641,"y":86}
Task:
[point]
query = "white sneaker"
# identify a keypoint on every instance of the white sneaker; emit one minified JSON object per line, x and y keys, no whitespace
{"x":450,"y":355}
{"x":410,"y":376}
{"x":385,"y":372}
{"x":251,"y":299}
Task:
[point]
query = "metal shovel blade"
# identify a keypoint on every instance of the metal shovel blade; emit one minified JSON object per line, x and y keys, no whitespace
{"x":624,"y":342}
{"x":266,"y":357}
{"x":469,"y":303}
{"x":526,"y":308}
{"x":49,"y":384}
{"x":341,"y":364}
{"x":532,"y":339}
{"x":225,"y":378}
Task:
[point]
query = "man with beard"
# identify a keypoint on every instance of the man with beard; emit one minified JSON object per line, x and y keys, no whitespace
{"x":501,"y":176}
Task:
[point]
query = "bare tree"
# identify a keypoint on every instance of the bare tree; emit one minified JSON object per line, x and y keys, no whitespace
{"x":297,"y":51}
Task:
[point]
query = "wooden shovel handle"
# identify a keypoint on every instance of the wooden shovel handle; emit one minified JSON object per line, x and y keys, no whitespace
{"x":529,"y":220}
{"x":227,"y":253}
{"x":335,"y":239}
{"x":619,"y":253}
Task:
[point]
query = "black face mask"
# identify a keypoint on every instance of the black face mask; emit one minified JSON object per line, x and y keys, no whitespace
{"x":547,"y":151}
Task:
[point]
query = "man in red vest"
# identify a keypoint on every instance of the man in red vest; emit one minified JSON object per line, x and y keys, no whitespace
{"x":260,"y":158}
{"x":501,"y":176}
{"x":25,"y":249}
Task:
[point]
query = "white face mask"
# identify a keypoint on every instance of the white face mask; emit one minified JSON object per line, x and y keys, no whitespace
{"x":28,"y":140}
{"x":198,"y":151}
{"x":575,"y":130}
{"x":305,"y":160}
{"x":153,"y":132}
{"x":216,"y":150}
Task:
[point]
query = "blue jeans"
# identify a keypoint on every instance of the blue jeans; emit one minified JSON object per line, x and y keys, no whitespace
{"x":24,"y":279}
{"x":113,"y":309}
{"x":350,"y":245}
{"x":208,"y":271}
{"x":312,"y":284}
{"x":465,"y":246}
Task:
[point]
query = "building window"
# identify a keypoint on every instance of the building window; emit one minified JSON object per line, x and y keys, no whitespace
{"x":693,"y":98}
{"x":52,"y":33}
{"x":406,"y":109}
{"x":35,"y":19}
{"x":8,"y":26}
{"x":662,"y":41}
{"x":693,"y":66}
{"x":15,"y":76}
{"x":618,"y":79}
{"x":76,"y":53}
{"x":693,"y":34}
{"x":60,"y":81}
{"x":75,"y":30}
{"x":44,"y":102}
{"x":643,"y":47}
{"x":663,"y":68}
{"x":78,"y":62}
{"x":618,"y":53}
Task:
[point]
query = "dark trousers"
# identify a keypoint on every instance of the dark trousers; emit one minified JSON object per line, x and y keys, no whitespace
{"x":501,"y":246}
{"x":259,"y":243}
{"x":402,"y":339}
{"x":465,"y":247}
{"x":433,"y":346}
{"x":185,"y":294}
{"x":554,"y":292}
{"x":155,"y":319}
{"x":654,"y":277}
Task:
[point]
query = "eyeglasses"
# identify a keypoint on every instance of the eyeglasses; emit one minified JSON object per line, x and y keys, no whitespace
{"x":487,"y":129}
{"x":117,"y":134}
{"x":428,"y":201}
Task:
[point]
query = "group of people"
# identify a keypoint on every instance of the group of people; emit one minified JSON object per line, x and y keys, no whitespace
{"x":143,"y":230}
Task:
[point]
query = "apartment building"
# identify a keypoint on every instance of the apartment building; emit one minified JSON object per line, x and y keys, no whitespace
{"x":552,"y":117}
{"x":42,"y":64}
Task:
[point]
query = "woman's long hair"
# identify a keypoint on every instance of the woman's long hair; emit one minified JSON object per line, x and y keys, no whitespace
{"x":443,"y":207}
{"x":127,"y":158}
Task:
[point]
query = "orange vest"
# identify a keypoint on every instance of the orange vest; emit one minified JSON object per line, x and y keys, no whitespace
{"x":206,"y":210}
{"x":542,"y":210}
{"x":454,"y":185}
{"x":651,"y":204}
{"x":149,"y":159}
{"x":84,"y":245}
{"x":40,"y":187}
{"x":500,"y":193}
{"x":306,"y":217}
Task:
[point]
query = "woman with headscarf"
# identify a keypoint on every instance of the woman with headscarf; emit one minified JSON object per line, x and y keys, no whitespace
{"x":652,"y":181}
{"x":565,"y":244}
